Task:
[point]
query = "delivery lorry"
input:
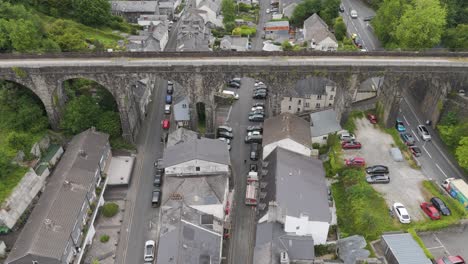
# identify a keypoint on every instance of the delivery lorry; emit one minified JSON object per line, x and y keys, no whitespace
{"x":458,"y":189}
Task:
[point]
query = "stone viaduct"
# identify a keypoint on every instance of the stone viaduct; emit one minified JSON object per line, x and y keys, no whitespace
{"x":427,"y":77}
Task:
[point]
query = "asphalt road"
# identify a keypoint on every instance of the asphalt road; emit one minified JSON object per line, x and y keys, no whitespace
{"x":358,"y":25}
{"x":435,"y":160}
{"x":243,"y":222}
{"x":257,"y":43}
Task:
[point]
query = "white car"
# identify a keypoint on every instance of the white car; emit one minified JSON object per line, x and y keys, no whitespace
{"x":254,"y":133}
{"x":346,"y":136}
{"x":424,"y":133}
{"x":268,"y":11}
{"x":257,"y":108}
{"x":149,"y":250}
{"x":258,"y":84}
{"x":401,"y":213}
{"x":353,"y":13}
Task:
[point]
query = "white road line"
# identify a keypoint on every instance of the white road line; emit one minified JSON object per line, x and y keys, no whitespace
{"x":412,"y":111}
{"x":437,"y":165}
{"x":435,"y":247}
{"x":406,"y":120}
{"x":442,"y":245}
{"x":415,"y":136}
{"x":229,"y":114}
{"x":427,"y":152}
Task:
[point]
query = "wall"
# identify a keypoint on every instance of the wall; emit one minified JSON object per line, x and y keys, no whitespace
{"x":189,"y":168}
{"x":288,"y":144}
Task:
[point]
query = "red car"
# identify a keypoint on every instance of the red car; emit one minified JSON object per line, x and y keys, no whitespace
{"x":451,"y":260}
{"x":430,"y":210}
{"x":351,"y":145}
{"x":355,"y":162}
{"x":166,"y":124}
{"x":372,"y":118}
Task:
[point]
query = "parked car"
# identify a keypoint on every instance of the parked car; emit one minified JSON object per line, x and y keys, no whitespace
{"x":259,"y":96}
{"x":261,"y":89}
{"x":368,"y":18}
{"x":228,"y":141}
{"x":158,"y":163}
{"x":378,"y":178}
{"x":256,"y":112}
{"x":231,"y":93}
{"x":236,"y":80}
{"x":451,"y":260}
{"x":372,"y":118}
{"x":401,"y":213}
{"x":166,"y":124}
{"x":168,"y":99}
{"x":355,"y":162}
{"x":424,"y":133}
{"x":254,"y":151}
{"x":416,"y":151}
{"x":156,"y":198}
{"x":157,"y":179}
{"x":255,"y":128}
{"x":256,"y":118}
{"x":353,"y":14}
{"x":341,"y":9}
{"x":257,"y":83}
{"x":400,"y":126}
{"x":357,"y":42}
{"x":377,"y":169}
{"x":170,"y":87}
{"x":346,"y":136}
{"x":234,"y":84}
{"x":408,"y":139}
{"x":253,"y":139}
{"x":254,"y":133}
{"x":167,"y":109}
{"x":351,"y":145}
{"x":430,"y":210}
{"x":262,"y":104}
{"x":225,"y":128}
{"x":257,"y":108}
{"x":225,"y":134}
{"x":149,"y":250}
{"x":440,"y":205}
{"x":268,"y":11}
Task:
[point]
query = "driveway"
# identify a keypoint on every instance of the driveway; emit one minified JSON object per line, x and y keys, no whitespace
{"x":405,"y":183}
{"x":451,"y":241}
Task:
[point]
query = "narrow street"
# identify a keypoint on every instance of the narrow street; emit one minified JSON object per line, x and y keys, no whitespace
{"x":263,"y":17}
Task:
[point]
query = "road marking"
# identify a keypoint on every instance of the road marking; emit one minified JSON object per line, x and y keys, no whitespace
{"x":229,"y":114}
{"x":435,"y":247}
{"x":404,"y":117}
{"x":415,"y":136}
{"x":427,"y":151}
{"x":442,"y":245}
{"x":437,"y":165}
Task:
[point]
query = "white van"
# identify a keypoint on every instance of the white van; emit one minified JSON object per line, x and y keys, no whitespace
{"x":231,"y":93}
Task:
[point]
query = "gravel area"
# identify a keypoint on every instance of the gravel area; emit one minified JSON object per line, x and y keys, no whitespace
{"x":405,"y":182}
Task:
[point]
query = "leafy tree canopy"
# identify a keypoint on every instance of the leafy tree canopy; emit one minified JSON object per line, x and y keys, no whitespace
{"x":462,"y":153}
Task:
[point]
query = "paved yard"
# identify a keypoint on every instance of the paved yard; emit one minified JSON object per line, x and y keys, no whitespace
{"x":450,"y":241}
{"x":405,"y":183}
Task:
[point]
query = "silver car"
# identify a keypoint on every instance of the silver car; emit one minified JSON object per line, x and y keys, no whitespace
{"x":424,"y":133}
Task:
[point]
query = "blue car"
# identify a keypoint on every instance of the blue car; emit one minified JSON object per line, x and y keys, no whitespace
{"x":168,"y":99}
{"x":400,"y":126}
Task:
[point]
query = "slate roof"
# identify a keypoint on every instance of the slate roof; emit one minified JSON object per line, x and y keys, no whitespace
{"x":56,"y":212}
{"x":324,"y":123}
{"x":234,"y":42}
{"x":297,"y":183}
{"x":310,"y":86}
{"x":286,"y":125}
{"x":181,"y":113}
{"x":315,"y":28}
{"x":181,"y":135}
{"x":134,"y":6}
{"x":405,"y":249}
{"x":271,"y":240}
{"x":211,"y":150}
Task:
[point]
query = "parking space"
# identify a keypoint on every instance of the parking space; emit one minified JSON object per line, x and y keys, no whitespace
{"x":405,"y":183}
{"x":222,"y":114}
{"x":451,"y":241}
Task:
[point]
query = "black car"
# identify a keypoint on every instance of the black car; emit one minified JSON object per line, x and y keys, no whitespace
{"x":157,"y":180}
{"x":341,"y":9}
{"x":440,"y":206}
{"x":255,"y":128}
{"x":377,"y":169}
{"x":156,"y":199}
{"x":378,"y":178}
{"x":254,"y":151}
{"x":256,"y":118}
{"x":225,"y":134}
{"x":369,"y":18}
{"x":170,"y":89}
{"x":234,"y":84}
{"x":259,"y":96}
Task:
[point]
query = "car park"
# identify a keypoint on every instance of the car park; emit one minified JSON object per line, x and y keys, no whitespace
{"x":346,"y":136}
{"x":255,"y":128}
{"x":156,"y":198}
{"x":400,"y":126}
{"x":378,"y":178}
{"x":353,"y":14}
{"x":149,"y":250}
{"x":225,"y":128}
{"x":168,"y":99}
{"x":225,"y":134}
{"x":408,"y":139}
{"x":377,"y":169}
{"x":351,"y":145}
{"x":416,"y":151}
{"x":257,"y":118}
{"x":430,"y":211}
{"x":451,"y":260}
{"x":355,"y":162}
{"x":167,"y":109}
{"x":166,"y":124}
{"x":372,"y":118}
{"x":440,"y":206}
{"x":401,"y":213}
{"x":254,"y":151}
{"x":424,"y":133}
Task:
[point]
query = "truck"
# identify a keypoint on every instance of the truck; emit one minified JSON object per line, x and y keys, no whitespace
{"x":251,"y":191}
{"x":458,"y":189}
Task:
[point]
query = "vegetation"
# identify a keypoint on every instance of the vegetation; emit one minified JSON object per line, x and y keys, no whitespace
{"x":327,"y":10}
{"x":340,"y":29}
{"x":350,"y":124}
{"x":334,"y":164}
{"x":244,"y":31}
{"x":453,"y":131}
{"x":110,"y":209}
{"x":347,"y":45}
{"x":104,"y":238}
{"x":287,"y":46}
{"x":228,"y":8}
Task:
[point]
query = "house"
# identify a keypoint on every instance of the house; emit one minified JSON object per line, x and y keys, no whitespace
{"x":193,"y":34}
{"x":287,"y":131}
{"x":180,"y":135}
{"x":146,"y":20}
{"x":182,"y":113}
{"x":210,"y":10}
{"x":142,"y":91}
{"x":154,"y":38}
{"x":322,"y":124}
{"x":295,"y":208}
{"x":202,"y":156}
{"x":278,"y":31}
{"x":168,"y":8}
{"x":189,"y":236}
{"x":132,"y":10}
{"x":402,"y":249}
{"x":309,"y":94}
{"x":289,"y":9}
{"x":234,"y":43}
{"x":55,"y":231}
{"x":317,"y":34}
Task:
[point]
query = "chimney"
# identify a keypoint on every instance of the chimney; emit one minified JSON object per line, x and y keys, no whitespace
{"x":82,"y":153}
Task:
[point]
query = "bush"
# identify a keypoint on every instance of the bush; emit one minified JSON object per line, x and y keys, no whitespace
{"x":104,"y":238}
{"x":110,"y":209}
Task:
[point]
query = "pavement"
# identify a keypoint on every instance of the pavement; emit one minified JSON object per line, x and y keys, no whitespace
{"x":450,"y":241}
{"x":358,"y":25}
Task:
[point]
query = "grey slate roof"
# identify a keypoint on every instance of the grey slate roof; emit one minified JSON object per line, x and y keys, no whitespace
{"x":271,"y":240}
{"x":61,"y":200}
{"x":182,"y":113}
{"x":352,"y":248}
{"x":310,"y":86}
{"x":286,"y":125}
{"x":405,"y":249}
{"x":212,"y":150}
{"x":317,"y":29}
{"x":181,"y":135}
{"x":134,"y":6}
{"x":297,"y":183}
{"x":185,"y":240}
{"x":324,"y":123}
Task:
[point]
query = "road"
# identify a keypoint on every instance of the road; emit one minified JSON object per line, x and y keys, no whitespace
{"x":243,"y":230}
{"x":141,"y":219}
{"x":257,"y":43}
{"x":436,"y":162}
{"x":358,"y":25}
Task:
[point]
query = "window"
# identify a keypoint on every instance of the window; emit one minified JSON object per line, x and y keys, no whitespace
{"x":307,"y":105}
{"x":290,"y":99}
{"x":299,"y":102}
{"x":289,"y":107}
{"x":331,"y":96}
{"x":197,"y":168}
{"x":298,"y":110}
{"x":319,"y":97}
{"x":317,"y":105}
{"x":35,"y":262}
{"x":184,"y":106}
{"x":332,"y":88}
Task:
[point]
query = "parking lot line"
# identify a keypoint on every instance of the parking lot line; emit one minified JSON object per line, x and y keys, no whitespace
{"x":406,"y":120}
{"x":415,"y":136}
{"x":427,"y":151}
{"x":436,"y":247}
{"x":437,"y":165}
{"x":440,"y":242}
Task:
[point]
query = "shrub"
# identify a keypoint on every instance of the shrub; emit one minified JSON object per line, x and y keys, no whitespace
{"x":110,"y":209}
{"x":104,"y":238}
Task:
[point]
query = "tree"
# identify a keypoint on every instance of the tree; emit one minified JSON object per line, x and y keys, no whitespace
{"x":109,"y":122}
{"x":80,"y":114}
{"x":67,"y":36}
{"x":19,"y":141}
{"x":421,"y":25}
{"x":330,"y":11}
{"x":457,"y":38}
{"x":340,"y":29}
{"x":304,"y":10}
{"x":286,"y":46}
{"x":462,"y":153}
{"x":110,"y":209}
{"x":228,"y":9}
{"x":93,"y":12}
{"x":5,"y":43}
{"x":387,"y":19}
{"x":24,"y":36}
{"x":6,"y":167}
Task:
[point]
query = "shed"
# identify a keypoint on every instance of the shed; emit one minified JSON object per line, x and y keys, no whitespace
{"x":402,"y":249}
{"x":396,"y":154}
